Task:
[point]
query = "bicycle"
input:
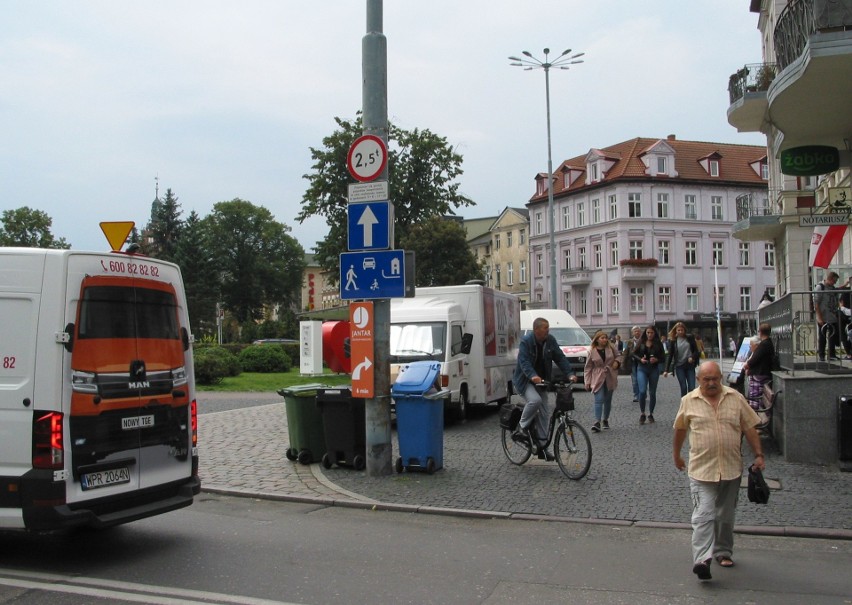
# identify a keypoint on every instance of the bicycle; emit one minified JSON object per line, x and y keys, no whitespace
{"x":572,"y":447}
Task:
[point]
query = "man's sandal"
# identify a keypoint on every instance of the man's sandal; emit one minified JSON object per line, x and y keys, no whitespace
{"x":724,"y":561}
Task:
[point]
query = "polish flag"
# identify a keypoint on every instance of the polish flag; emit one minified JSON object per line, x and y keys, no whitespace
{"x":824,"y":244}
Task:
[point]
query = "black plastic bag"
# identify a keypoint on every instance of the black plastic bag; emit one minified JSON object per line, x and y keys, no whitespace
{"x":758,"y":491}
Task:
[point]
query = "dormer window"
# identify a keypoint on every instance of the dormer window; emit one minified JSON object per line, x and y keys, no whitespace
{"x":594,"y":171}
{"x":714,"y":167}
{"x":661,"y":164}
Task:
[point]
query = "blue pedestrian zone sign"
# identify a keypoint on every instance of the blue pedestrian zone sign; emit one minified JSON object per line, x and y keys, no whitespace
{"x":375,"y":274}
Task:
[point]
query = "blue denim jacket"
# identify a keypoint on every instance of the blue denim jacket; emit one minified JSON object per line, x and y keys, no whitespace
{"x":525,"y":369}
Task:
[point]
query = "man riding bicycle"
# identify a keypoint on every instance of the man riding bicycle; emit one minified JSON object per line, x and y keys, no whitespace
{"x":536,"y":353}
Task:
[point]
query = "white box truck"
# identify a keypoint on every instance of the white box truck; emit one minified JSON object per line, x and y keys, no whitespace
{"x":97,"y":397}
{"x":472,"y":330}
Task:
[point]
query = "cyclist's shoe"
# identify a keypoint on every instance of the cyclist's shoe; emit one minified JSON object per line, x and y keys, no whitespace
{"x":545,"y":455}
{"x":521,"y":436}
{"x":596,"y":427}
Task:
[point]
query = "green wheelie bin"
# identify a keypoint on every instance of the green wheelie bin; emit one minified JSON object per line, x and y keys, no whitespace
{"x":304,"y":423}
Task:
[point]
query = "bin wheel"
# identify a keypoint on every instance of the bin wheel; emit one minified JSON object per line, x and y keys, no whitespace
{"x":398,"y":464}
{"x":359,"y":463}
{"x":305,"y":457}
{"x":430,"y":465}
{"x":290,"y":453}
{"x":326,"y":461}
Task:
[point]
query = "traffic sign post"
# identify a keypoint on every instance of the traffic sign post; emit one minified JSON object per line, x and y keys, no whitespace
{"x":372,"y":274}
{"x":362,"y":345}
{"x":367,"y":157}
{"x":370,"y":226}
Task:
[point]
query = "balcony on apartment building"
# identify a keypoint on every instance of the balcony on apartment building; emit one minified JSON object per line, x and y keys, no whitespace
{"x":758,"y":217}
{"x":638,"y":269}
{"x":576,"y":277}
{"x":747,"y":92}
{"x":807,"y":102}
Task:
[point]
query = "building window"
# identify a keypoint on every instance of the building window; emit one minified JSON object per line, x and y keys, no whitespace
{"x":764,"y":171}
{"x":539,"y":226}
{"x":663,"y":249}
{"x":522,"y":237}
{"x":594,"y":170}
{"x":661,"y":164}
{"x":599,"y":301}
{"x":614,"y":300}
{"x":716,"y":207}
{"x":566,"y":217}
{"x":523,"y":271}
{"x":509,"y":239}
{"x":718,"y":256}
{"x":689,"y":207}
{"x":539,"y":266}
{"x":613,"y":207}
{"x":581,"y":214}
{"x":720,"y":298}
{"x":771,"y":291}
{"x":510,"y":274}
{"x":663,"y":205}
{"x":568,"y":303}
{"x":714,"y":167}
{"x":496,"y":241}
{"x":613,"y":254}
{"x":664,"y":299}
{"x":634,"y":205}
{"x":598,"y":253}
{"x":583,"y":302}
{"x":596,"y":211}
{"x":691,"y":250}
{"x":637,"y":300}
{"x":567,"y":257}
{"x":581,"y":257}
{"x":635,"y":248}
{"x":769,"y":255}
{"x":692,"y":298}
{"x":497,"y":271}
{"x":745,"y":298}
{"x":745,"y":254}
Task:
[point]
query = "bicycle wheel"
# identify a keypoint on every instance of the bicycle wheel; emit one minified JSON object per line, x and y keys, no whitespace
{"x":573,"y":449}
{"x":516,"y":451}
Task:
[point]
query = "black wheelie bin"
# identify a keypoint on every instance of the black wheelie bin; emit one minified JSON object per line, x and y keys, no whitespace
{"x":304,"y":423}
{"x":344,"y":428}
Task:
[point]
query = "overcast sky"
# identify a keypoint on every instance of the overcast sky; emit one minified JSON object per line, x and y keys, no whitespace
{"x":223,"y":99}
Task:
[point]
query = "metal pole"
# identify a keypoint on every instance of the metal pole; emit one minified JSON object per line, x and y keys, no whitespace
{"x":375,"y":110}
{"x":553,"y":302}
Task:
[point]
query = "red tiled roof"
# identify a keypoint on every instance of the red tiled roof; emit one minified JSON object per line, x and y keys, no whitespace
{"x":734,"y":163}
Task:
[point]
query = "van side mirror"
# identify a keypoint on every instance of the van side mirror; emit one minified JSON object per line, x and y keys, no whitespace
{"x":69,"y":344}
{"x":467,"y":343}
{"x":184,"y":338}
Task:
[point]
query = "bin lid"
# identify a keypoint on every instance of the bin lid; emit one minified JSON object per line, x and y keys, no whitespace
{"x":416,"y":378}
{"x":301,"y":390}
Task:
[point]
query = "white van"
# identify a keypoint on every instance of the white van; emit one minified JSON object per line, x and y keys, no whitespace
{"x":572,"y":339}
{"x":97,"y":392}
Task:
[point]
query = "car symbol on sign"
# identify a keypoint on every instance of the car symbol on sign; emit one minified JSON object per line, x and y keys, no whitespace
{"x":369,"y":263}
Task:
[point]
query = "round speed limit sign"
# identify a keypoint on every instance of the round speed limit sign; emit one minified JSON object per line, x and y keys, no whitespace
{"x":367,"y":157}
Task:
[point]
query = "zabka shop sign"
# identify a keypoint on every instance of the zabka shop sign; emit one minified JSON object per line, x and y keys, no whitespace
{"x":811,"y":160}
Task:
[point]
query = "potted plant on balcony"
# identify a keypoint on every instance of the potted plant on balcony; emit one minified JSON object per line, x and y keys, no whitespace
{"x":638,"y":262}
{"x":765,"y":76}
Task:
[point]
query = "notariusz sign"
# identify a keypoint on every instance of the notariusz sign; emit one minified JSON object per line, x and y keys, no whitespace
{"x":810,"y":160}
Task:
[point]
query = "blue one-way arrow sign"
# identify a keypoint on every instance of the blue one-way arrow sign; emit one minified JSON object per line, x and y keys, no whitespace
{"x":370,"y":226}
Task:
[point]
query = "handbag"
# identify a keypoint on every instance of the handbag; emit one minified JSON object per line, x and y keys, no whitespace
{"x":565,"y":399}
{"x":758,"y":491}
{"x":510,"y":415}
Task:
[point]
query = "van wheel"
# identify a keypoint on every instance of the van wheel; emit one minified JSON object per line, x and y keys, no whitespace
{"x":461,"y":408}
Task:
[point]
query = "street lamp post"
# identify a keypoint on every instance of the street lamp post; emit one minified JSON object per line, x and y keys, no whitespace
{"x":563,"y":61}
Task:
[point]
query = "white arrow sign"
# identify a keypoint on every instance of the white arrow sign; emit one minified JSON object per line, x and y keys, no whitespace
{"x":367,"y":220}
{"x":363,"y":366}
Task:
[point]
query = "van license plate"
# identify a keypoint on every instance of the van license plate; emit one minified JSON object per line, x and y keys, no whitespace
{"x":104,"y":478}
{"x":137,"y":422}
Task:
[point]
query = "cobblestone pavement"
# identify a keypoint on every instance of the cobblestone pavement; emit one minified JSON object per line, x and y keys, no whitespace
{"x":632,"y":478}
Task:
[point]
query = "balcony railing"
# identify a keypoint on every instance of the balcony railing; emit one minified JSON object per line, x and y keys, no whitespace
{"x":755,"y":77}
{"x":802,"y":18}
{"x":755,"y":204}
{"x":576,"y":276}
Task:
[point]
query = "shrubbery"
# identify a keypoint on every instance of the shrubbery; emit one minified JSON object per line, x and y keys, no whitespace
{"x":212,"y":364}
{"x":264,"y":358}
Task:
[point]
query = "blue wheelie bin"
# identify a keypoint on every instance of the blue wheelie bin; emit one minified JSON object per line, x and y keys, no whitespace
{"x":304,"y":423}
{"x":344,"y":427}
{"x":419,"y":417}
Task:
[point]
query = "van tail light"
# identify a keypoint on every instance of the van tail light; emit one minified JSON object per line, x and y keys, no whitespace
{"x":445,"y":380}
{"x":193,"y":411}
{"x":48,"y":446}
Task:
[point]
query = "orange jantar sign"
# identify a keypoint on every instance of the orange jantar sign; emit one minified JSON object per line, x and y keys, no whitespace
{"x":362,"y":347}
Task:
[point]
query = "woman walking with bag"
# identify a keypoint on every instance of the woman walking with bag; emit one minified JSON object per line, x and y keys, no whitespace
{"x":647,"y":356}
{"x":683,"y":358}
{"x":601,"y":377}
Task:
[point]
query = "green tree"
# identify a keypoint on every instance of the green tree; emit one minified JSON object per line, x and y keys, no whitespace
{"x":260,"y":264}
{"x":442,"y":256}
{"x":195,"y":256}
{"x":29,"y":228}
{"x":422,"y":170}
{"x":164,"y":229}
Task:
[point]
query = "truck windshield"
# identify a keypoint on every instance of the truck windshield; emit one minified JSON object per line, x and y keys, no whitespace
{"x":424,"y":340}
{"x":127,"y":312}
{"x":567,"y":337}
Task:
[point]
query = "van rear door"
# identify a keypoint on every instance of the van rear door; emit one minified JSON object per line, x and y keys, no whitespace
{"x":129,"y":424}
